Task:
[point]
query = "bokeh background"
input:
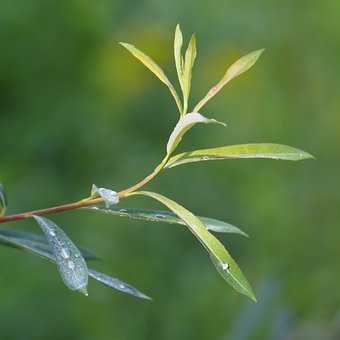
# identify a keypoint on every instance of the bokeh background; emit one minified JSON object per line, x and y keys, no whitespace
{"x":77,"y":109}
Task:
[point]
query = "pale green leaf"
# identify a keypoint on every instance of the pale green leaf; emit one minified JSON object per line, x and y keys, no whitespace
{"x":178,"y":42}
{"x":71,"y":264}
{"x":240,"y":66}
{"x":32,"y":243}
{"x":168,"y":217}
{"x":259,"y":150}
{"x":184,"y":124}
{"x":189,"y":60}
{"x":22,"y":239}
{"x":225,"y":264}
{"x":155,"y":69}
{"x":3,"y":200}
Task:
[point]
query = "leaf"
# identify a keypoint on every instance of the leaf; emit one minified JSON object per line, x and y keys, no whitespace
{"x":21,"y":239}
{"x":28,"y":243}
{"x":225,"y":264}
{"x":168,"y":217}
{"x":155,"y":69}
{"x":184,"y":124}
{"x":71,"y":264}
{"x":259,"y":150}
{"x":240,"y":66}
{"x":178,"y":42}
{"x":117,"y":284}
{"x":190,"y":56}
{"x":110,"y":197}
{"x":3,"y":200}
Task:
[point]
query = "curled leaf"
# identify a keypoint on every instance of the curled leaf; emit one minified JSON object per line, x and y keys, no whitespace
{"x":71,"y":264}
{"x":221,"y":258}
{"x":178,"y":42}
{"x":110,"y":197}
{"x":240,"y":151}
{"x":117,"y":284}
{"x":168,"y":217}
{"x":3,"y":200}
{"x":189,"y":60}
{"x":240,"y":66}
{"x":154,"y":68}
{"x":184,"y":124}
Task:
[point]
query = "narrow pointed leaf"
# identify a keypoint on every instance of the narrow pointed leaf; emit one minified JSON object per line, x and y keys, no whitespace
{"x":168,"y":217}
{"x":3,"y":200}
{"x":14,"y":239}
{"x":189,"y":60}
{"x":184,"y":124}
{"x":71,"y":264}
{"x":155,"y":69}
{"x":109,"y":196}
{"x":178,"y":42}
{"x":117,"y":284}
{"x":21,"y":239}
{"x":225,"y":264}
{"x":241,"y":151}
{"x":240,"y":66}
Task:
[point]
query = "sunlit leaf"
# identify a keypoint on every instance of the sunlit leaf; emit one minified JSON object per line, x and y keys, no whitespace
{"x":110,"y":197}
{"x":155,"y":69}
{"x":260,"y":150}
{"x":22,"y":239}
{"x":178,"y":42}
{"x":189,"y":60}
{"x":28,"y":242}
{"x":117,"y":284}
{"x":225,"y":264}
{"x":168,"y":217}
{"x":240,"y":66}
{"x":3,"y":200}
{"x":184,"y":124}
{"x":71,"y":264}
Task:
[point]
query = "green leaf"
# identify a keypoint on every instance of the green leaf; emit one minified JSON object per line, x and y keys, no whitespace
{"x":71,"y":264}
{"x":168,"y":217}
{"x":3,"y":200}
{"x":260,"y":150}
{"x":190,"y":56}
{"x":224,"y":263}
{"x":32,"y":243}
{"x":22,"y":239}
{"x":155,"y":69}
{"x":184,"y":124}
{"x":240,"y":66}
{"x":178,"y":42}
{"x":117,"y":284}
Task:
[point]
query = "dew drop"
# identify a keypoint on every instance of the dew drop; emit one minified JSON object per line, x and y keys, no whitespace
{"x":159,"y":216}
{"x":205,"y":158}
{"x":123,"y":210}
{"x":64,"y":253}
{"x":52,"y":233}
{"x":225,"y":266}
{"x":122,"y":286}
{"x":70,"y":264}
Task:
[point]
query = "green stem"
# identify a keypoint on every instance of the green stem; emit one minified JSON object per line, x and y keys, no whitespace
{"x":87,"y":201}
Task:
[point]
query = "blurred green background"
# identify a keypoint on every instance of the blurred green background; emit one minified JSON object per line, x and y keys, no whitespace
{"x":77,"y":109}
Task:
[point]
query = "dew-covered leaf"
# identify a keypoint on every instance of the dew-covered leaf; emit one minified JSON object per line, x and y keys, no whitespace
{"x":184,"y":124}
{"x":221,"y":258}
{"x":3,"y":200}
{"x":189,"y":60}
{"x":241,"y":151}
{"x":71,"y":264}
{"x":109,"y":196}
{"x":168,"y":217}
{"x":30,"y":243}
{"x":23,"y":239}
{"x":154,"y":68}
{"x":178,"y":42}
{"x":117,"y":284}
{"x":240,"y":66}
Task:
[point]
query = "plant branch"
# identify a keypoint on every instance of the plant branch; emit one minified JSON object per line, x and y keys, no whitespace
{"x":87,"y":201}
